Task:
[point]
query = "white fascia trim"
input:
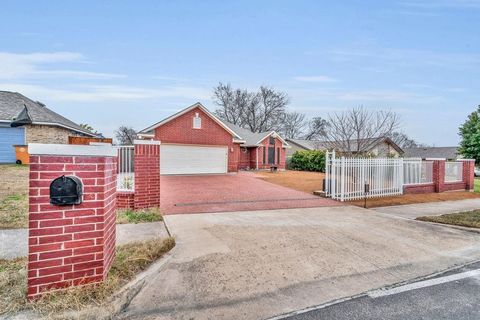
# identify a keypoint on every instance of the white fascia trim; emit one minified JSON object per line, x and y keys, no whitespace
{"x":71,"y":150}
{"x":193,"y":106}
{"x":432,"y":159}
{"x":151,"y":142}
{"x":239,"y":141}
{"x":277,"y":136}
{"x":146,"y":135}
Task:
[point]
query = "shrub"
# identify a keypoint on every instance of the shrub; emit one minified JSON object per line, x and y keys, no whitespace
{"x":308,"y":160}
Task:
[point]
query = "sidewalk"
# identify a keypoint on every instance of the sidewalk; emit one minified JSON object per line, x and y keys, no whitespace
{"x":13,"y":242}
{"x":412,"y":211}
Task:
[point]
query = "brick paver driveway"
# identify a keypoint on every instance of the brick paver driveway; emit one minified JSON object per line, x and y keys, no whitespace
{"x":231,"y":192}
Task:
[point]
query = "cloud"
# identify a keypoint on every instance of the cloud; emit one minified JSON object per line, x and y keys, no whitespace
{"x":28,"y":66}
{"x":314,"y":79}
{"x":106,"y":93}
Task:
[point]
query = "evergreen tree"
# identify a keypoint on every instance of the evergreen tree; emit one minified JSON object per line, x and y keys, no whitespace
{"x":470,"y":133}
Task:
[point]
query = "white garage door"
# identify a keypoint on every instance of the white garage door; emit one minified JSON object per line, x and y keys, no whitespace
{"x":187,"y":159}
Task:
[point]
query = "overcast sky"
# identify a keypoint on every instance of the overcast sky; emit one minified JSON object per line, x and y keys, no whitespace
{"x":117,"y":63}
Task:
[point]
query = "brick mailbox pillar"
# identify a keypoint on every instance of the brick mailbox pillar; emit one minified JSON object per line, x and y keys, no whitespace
{"x":147,"y":174}
{"x":71,"y":245}
{"x":438,"y":174}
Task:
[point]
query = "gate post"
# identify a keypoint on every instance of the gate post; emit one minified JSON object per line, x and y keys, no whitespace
{"x":438,"y":173}
{"x":147,"y":174}
{"x":70,"y":244}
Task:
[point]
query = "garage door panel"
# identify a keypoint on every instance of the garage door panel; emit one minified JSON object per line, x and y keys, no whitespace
{"x":187,"y":159}
{"x":8,"y":138}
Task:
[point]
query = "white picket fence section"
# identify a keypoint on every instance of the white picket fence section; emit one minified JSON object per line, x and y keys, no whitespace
{"x":125,"y":174}
{"x":346,"y":177}
{"x":453,"y":171}
{"x":416,"y":171}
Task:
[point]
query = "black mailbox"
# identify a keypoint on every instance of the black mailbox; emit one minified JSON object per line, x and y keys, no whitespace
{"x":66,"y":190}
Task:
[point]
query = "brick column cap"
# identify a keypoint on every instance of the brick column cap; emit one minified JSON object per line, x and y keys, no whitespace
{"x":465,"y":160}
{"x":436,"y":159}
{"x":72,"y":150}
{"x":152,"y":142}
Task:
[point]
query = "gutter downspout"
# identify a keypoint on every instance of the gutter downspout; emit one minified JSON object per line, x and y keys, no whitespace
{"x":257,"y":158}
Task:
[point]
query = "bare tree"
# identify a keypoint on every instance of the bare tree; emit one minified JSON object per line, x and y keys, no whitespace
{"x":261,"y":111}
{"x":404,"y":141}
{"x":125,"y":135}
{"x":317,"y":128}
{"x":352,"y":132}
{"x":293,"y":125}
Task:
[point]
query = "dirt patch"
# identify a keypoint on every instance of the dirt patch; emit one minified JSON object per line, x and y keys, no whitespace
{"x":416,"y":198}
{"x":298,"y":180}
{"x":13,"y":196}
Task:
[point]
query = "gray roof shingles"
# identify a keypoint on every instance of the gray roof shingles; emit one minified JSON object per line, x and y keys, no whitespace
{"x":433,"y":152}
{"x":251,"y":138}
{"x":12,"y":103}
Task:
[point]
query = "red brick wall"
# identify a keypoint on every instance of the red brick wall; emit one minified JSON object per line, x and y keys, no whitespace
{"x":278,"y":146}
{"x":125,"y":200}
{"x":180,"y":130}
{"x":468,"y":174}
{"x":419,"y":188}
{"x":244,"y":161}
{"x":253,"y":157}
{"x":70,"y":245}
{"x":147,"y":176}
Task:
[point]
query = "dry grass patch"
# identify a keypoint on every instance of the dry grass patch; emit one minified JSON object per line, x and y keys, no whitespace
{"x":298,"y":180}
{"x":465,"y":219}
{"x":138,"y":216}
{"x":130,"y":260}
{"x":416,"y":198}
{"x":13,"y":196}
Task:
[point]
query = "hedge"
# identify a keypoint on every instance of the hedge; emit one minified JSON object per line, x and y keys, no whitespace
{"x":308,"y":160}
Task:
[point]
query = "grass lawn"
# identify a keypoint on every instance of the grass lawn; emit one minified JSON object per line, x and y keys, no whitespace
{"x":299,"y":180}
{"x":416,"y":198}
{"x":477,"y":185}
{"x":14,"y":201}
{"x":466,"y":219}
{"x":130,"y":260}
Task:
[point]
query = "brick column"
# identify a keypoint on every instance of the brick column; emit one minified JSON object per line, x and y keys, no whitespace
{"x":438,"y":174}
{"x":74,"y":244}
{"x":468,"y":173}
{"x":147,"y":174}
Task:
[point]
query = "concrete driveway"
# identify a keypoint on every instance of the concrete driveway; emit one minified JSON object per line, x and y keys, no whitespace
{"x":255,"y":265}
{"x":230,"y":192}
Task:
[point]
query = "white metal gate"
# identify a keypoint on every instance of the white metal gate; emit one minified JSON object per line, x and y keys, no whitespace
{"x":125,"y":173}
{"x":346,"y":177}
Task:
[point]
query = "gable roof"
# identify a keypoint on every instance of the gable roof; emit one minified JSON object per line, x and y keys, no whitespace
{"x":241,"y":135}
{"x":13,"y":103}
{"x":433,"y":152}
{"x":150,"y":129}
{"x":370,"y":143}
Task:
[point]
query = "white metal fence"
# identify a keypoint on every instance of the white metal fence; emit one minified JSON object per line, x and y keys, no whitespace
{"x":416,"y":171}
{"x":346,"y":177}
{"x":125,"y":175}
{"x":453,"y":171}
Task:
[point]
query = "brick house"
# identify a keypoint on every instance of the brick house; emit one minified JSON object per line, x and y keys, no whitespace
{"x":195,"y":141}
{"x":44,"y":125}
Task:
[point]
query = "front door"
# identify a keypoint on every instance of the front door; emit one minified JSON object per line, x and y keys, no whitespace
{"x":271,"y":155}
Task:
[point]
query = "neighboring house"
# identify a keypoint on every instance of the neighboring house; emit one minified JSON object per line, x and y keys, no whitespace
{"x":194,"y":141}
{"x":449,"y":153}
{"x":39,"y":124}
{"x":381,"y":147}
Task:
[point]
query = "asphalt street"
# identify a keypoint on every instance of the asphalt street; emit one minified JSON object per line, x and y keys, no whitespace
{"x":452,"y":295}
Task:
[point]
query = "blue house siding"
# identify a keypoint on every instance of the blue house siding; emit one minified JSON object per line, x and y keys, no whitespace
{"x":8,"y":138}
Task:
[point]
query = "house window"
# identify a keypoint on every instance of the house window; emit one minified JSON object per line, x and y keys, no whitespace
{"x":272,"y":140}
{"x":278,"y":155}
{"x":264,"y":154}
{"x":197,"y":122}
